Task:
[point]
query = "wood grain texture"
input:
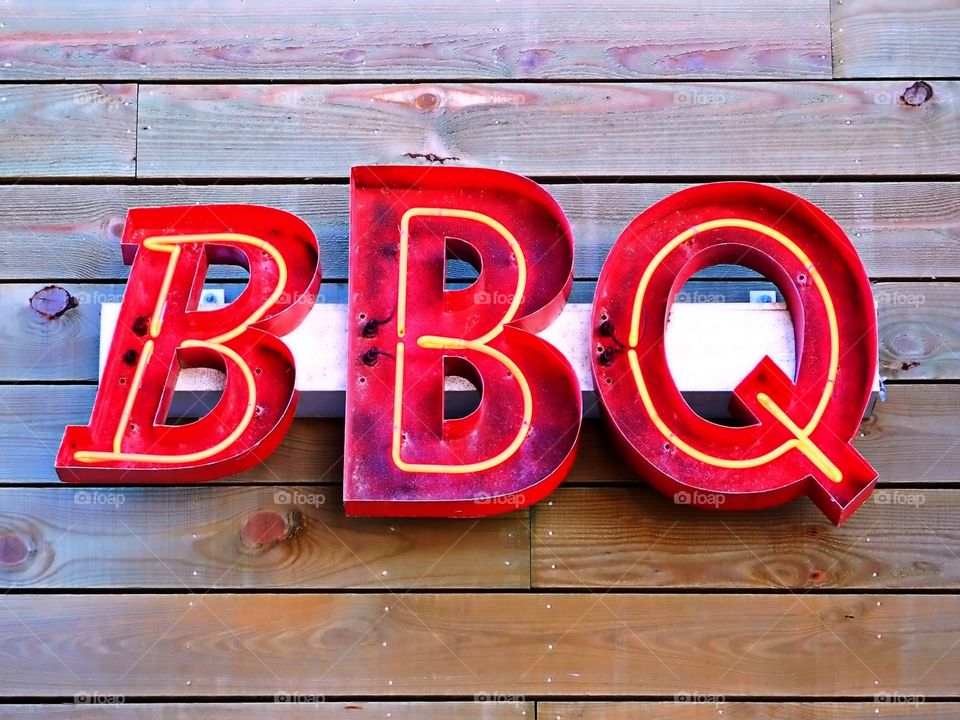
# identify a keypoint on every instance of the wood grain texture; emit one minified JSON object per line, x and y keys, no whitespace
{"x":911,"y":439}
{"x":919,"y":330}
{"x":257,"y":537}
{"x":61,"y":131}
{"x":35,"y":345}
{"x":900,"y":229}
{"x":718,"y":129}
{"x":50,"y":343}
{"x":286,"y":707}
{"x":32,"y":419}
{"x":440,"y":39}
{"x":453,"y":644}
{"x":918,"y":323}
{"x":636,"y":538}
{"x":896,"y":38}
{"x":887,"y":706}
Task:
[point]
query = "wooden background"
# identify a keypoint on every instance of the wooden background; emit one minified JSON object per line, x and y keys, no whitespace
{"x":604,"y":602}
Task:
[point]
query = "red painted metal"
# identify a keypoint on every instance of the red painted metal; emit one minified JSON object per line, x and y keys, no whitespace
{"x":417,"y":217}
{"x":705,"y":464}
{"x":161,"y":330}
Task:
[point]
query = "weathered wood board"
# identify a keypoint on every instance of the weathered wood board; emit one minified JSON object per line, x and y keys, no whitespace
{"x":911,"y":439}
{"x":918,"y":325}
{"x":285,"y":707}
{"x":454,"y":644}
{"x":895,"y":38}
{"x":624,"y":129}
{"x":901,"y":229}
{"x":341,"y":39}
{"x":62,"y":131}
{"x":633,"y":538}
{"x":226,"y":538}
{"x":890,"y":706}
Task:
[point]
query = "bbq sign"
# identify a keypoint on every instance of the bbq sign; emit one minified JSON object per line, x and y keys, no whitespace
{"x":408,"y":331}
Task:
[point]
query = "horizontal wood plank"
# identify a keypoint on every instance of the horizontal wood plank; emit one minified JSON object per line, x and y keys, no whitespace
{"x":60,"y":131}
{"x":252,"y":537}
{"x":285,"y":707}
{"x":918,"y":325}
{"x":900,"y":229}
{"x":440,"y":39}
{"x":635,"y":538}
{"x":910,"y":439}
{"x":919,"y":328}
{"x":33,"y":417}
{"x":453,"y":644}
{"x":888,"y":706}
{"x":896,"y":38}
{"x":52,"y":331}
{"x":714,"y":129}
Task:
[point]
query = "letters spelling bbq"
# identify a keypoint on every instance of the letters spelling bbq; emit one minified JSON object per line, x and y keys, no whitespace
{"x":407,"y":331}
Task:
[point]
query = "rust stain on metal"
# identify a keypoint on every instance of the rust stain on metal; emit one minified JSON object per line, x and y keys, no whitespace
{"x":52,"y":301}
{"x":917,"y":94}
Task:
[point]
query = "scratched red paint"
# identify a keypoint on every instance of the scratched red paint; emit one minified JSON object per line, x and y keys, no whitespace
{"x":407,"y":330}
{"x":160,"y":330}
{"x":414,"y":464}
{"x":816,"y":267}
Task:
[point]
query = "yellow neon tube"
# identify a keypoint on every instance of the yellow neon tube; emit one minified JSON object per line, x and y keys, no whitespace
{"x":445,"y":343}
{"x":802,"y":440}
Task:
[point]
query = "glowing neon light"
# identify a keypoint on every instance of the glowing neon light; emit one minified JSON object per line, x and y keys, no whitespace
{"x":802,"y":441}
{"x":480,"y":344}
{"x":171,"y":245}
{"x":97,"y":456}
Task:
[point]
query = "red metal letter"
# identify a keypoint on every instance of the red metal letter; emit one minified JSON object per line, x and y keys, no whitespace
{"x":160,"y":330}
{"x":402,"y":456}
{"x":800,"y":440}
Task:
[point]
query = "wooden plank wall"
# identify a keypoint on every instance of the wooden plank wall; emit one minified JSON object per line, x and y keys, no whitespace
{"x":255,"y":596}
